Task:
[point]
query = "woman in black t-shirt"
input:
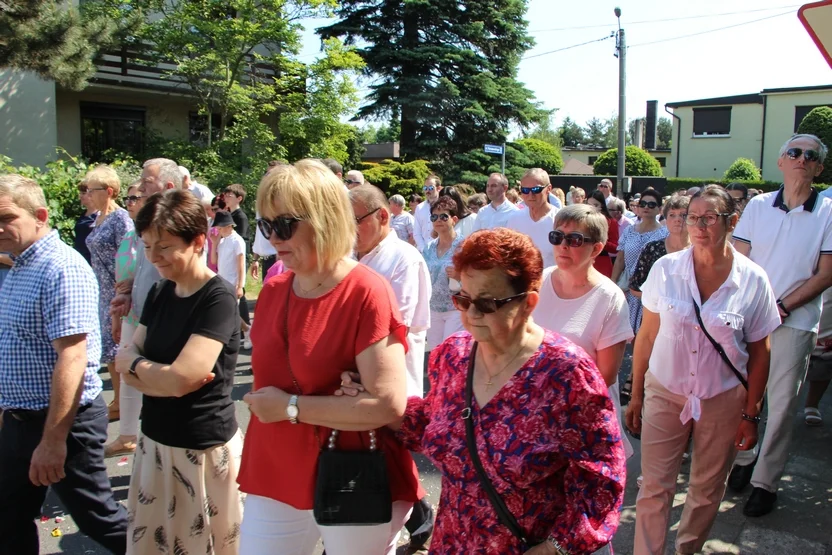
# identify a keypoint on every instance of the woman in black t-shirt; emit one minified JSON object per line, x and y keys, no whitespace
{"x":183,"y":493}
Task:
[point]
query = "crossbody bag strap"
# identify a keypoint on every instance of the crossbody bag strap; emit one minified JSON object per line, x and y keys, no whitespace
{"x":719,"y":348}
{"x":497,"y":502}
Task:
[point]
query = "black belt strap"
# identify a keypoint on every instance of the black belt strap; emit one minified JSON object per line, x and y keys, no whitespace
{"x":719,"y":348}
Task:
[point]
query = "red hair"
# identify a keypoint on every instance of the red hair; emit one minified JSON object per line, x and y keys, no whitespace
{"x":512,"y":252}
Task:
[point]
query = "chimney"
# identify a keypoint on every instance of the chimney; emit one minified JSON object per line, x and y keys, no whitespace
{"x":650,"y":124}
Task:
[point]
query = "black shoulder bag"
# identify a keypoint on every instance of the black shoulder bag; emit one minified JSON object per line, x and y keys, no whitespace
{"x":352,"y":487}
{"x":497,"y":502}
{"x":719,"y":348}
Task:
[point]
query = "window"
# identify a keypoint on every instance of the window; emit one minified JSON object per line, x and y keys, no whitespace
{"x":198,"y":128}
{"x":801,"y":111}
{"x":662,"y":161}
{"x":592,"y":160}
{"x":110,"y":127}
{"x":711,"y":121}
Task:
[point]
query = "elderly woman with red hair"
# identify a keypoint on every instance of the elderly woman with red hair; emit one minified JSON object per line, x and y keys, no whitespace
{"x":534,"y":406}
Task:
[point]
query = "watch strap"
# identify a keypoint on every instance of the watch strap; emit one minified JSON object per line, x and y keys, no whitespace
{"x":135,"y":363}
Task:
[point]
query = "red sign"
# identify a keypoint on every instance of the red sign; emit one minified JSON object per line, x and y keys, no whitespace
{"x":817,"y":18}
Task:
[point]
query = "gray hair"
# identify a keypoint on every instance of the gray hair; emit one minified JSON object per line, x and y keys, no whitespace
{"x":618,"y":203}
{"x":168,"y":171}
{"x":538,"y":174}
{"x":398,"y":200}
{"x":25,"y":193}
{"x":822,"y":149}
{"x":587,"y":217}
{"x":370,"y":196}
{"x":677,"y":201}
{"x":478,"y":199}
{"x":503,"y":179}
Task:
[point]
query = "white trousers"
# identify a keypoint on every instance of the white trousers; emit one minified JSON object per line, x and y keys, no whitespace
{"x":129,"y":398}
{"x":442,"y":326}
{"x":415,"y":363}
{"x":271,"y":527}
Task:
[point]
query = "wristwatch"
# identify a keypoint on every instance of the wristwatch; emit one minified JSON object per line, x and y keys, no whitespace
{"x":292,"y":409}
{"x":135,"y":363}
{"x":783,"y":308}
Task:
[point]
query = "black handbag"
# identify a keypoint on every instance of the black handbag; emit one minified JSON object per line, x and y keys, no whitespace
{"x":352,"y":487}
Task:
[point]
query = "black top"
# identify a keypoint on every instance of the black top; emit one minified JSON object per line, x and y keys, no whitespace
{"x":649,"y":255}
{"x":205,"y":417}
{"x":240,"y":223}
{"x":83,"y":227}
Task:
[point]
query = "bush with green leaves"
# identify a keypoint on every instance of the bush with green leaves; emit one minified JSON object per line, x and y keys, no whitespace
{"x":742,"y":169}
{"x":397,"y":178}
{"x":818,"y":122}
{"x":540,"y":154}
{"x":638,"y":163}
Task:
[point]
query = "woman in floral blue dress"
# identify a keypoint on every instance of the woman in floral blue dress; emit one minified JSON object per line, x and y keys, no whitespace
{"x":102,"y":187}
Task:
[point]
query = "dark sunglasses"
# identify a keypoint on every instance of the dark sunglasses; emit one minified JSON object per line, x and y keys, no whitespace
{"x":132,"y":198}
{"x":532,"y":190}
{"x":648,"y":204}
{"x":367,"y":215}
{"x":809,"y":155}
{"x":573,"y":240}
{"x":443,"y":217}
{"x":283,"y":227}
{"x":428,"y":189}
{"x":485,"y":306}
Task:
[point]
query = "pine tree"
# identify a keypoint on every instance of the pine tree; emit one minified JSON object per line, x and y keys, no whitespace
{"x":447,"y":67}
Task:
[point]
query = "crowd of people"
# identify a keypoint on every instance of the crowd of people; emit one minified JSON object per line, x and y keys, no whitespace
{"x":518,"y":305}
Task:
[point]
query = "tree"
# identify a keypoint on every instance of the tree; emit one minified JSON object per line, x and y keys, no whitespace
{"x":56,"y":40}
{"x":544,"y":132}
{"x":595,"y":132}
{"x":448,"y":70}
{"x":818,"y":122}
{"x":571,"y":134}
{"x":664,"y":133}
{"x":742,"y":169}
{"x":638,"y":162}
{"x":541,"y":154}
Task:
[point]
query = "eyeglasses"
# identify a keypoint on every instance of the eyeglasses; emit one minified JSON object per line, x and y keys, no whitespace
{"x":443,"y":217}
{"x":532,"y":190}
{"x":282,"y":226}
{"x":362,"y":218}
{"x":648,"y":204}
{"x":707,"y":219}
{"x":351,"y":181}
{"x":85,"y":190}
{"x":132,"y":198}
{"x":603,"y":186}
{"x":676,"y":216}
{"x":809,"y":155}
{"x":428,"y":189}
{"x":485,"y":306}
{"x":573,"y":240}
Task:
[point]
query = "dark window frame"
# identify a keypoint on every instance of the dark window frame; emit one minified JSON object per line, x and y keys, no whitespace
{"x":198,"y":128}
{"x":803,"y":110}
{"x":662,"y":160}
{"x":113,"y":127}
{"x":712,"y":122}
{"x":592,"y":160}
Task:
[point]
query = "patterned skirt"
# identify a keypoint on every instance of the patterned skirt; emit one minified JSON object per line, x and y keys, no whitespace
{"x":183,"y":501}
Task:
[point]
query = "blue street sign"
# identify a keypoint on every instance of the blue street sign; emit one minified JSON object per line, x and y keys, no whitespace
{"x":493,"y":149}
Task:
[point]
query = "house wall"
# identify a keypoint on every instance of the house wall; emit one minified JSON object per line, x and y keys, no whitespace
{"x":709,"y":157}
{"x":28,"y":118}
{"x":584,"y":156}
{"x":780,"y":115}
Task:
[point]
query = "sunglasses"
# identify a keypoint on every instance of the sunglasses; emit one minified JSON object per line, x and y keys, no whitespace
{"x":485,"y":306}
{"x":350,"y":182}
{"x":85,"y":190}
{"x":132,"y":198}
{"x":648,"y":204}
{"x":367,"y":215}
{"x":428,"y":189}
{"x":283,"y":227}
{"x":808,"y":155}
{"x":532,"y":190}
{"x":603,"y":186}
{"x":573,"y":240}
{"x":443,"y":217}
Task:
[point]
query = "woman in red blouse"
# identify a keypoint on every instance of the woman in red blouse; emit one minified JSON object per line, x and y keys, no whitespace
{"x":324,"y":315}
{"x":603,"y":262}
{"x":546,"y":431}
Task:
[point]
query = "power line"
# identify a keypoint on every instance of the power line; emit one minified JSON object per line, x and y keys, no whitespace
{"x":666,"y":19}
{"x":711,"y":30}
{"x":569,"y":47}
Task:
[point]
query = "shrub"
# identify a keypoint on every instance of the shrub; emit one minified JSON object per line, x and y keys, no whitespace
{"x":818,"y":122}
{"x":541,"y":154}
{"x":742,"y":169}
{"x":637,"y":163}
{"x":397,"y":178}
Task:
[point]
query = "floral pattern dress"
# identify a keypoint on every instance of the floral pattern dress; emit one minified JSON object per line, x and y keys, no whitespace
{"x":103,"y":242}
{"x":632,"y":243}
{"x":548,"y":440}
{"x":651,"y":253}
{"x":126,"y":257}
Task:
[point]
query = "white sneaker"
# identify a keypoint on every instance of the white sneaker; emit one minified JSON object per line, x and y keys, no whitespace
{"x":247,"y":343}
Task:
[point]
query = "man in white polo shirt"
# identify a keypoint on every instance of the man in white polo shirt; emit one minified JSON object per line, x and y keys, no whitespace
{"x":498,"y":211}
{"x":422,"y":226}
{"x":379,"y":248}
{"x":789,"y":234}
{"x":605,"y":186}
{"x":538,"y":219}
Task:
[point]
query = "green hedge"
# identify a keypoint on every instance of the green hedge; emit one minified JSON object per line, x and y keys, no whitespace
{"x":678,"y":183}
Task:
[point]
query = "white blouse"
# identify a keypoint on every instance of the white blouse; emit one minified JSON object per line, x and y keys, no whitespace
{"x":743,"y":310}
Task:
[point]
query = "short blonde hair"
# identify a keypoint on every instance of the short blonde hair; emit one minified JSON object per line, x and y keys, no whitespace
{"x":587,"y":217}
{"x":24,"y":192}
{"x":538,"y":174}
{"x":308,"y":189}
{"x":104,"y":176}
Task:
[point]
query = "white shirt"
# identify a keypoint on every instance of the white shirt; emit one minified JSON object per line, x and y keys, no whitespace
{"x":466,"y":225}
{"x":422,"y":226}
{"x":201,"y":192}
{"x":623,"y":224}
{"x":489,"y":217}
{"x":743,"y":310}
{"x":227,"y":252}
{"x":402,"y":225}
{"x":538,"y":231}
{"x":261,"y":246}
{"x":788,"y":245}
